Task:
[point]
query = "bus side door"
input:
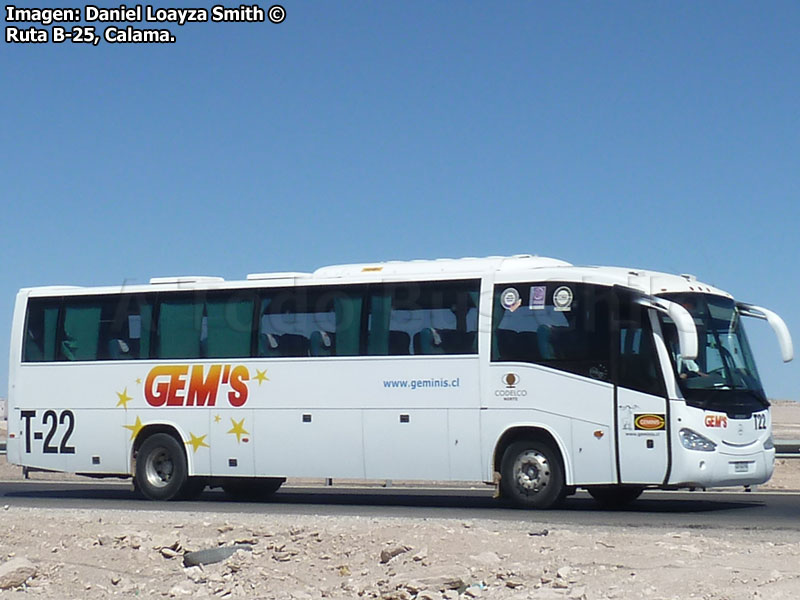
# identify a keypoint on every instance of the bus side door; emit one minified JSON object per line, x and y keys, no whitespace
{"x":642,"y":421}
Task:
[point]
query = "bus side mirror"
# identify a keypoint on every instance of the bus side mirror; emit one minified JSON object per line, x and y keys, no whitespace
{"x":777,"y":324}
{"x":687,"y":332}
{"x":684,"y":323}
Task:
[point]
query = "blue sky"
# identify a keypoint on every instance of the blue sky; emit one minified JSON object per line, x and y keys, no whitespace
{"x":660,"y":135}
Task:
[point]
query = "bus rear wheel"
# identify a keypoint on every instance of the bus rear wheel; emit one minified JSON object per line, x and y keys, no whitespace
{"x":532,"y":475}
{"x":161,"y":471}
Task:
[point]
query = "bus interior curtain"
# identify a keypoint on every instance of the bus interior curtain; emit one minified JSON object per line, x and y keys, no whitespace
{"x":497,"y":315}
{"x":146,"y":327}
{"x":229,"y":325}
{"x":348,"y":325}
{"x":380,"y":313}
{"x":475,"y":298}
{"x":179,"y":325}
{"x":50,"y":324}
{"x":81,"y":332}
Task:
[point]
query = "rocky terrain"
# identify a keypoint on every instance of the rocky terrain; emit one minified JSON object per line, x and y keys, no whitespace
{"x":90,"y":554}
{"x":68,"y":553}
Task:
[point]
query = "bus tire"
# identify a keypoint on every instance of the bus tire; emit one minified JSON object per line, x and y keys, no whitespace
{"x":252,"y":488}
{"x":532,"y":475}
{"x":615,"y":496}
{"x":161,"y":471}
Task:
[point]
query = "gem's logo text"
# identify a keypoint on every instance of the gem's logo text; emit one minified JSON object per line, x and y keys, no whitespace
{"x":174,"y":385}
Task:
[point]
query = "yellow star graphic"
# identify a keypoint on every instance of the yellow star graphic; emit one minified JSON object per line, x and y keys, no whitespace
{"x":197,"y":442}
{"x":217,"y":418}
{"x":139,"y":380}
{"x":239,"y":430}
{"x":261,"y":376}
{"x":135,"y":428}
{"x":124,"y":398}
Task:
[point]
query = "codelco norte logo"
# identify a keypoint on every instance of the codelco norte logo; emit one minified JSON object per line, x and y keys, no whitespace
{"x":510,"y":381}
{"x":649,"y":422}
{"x":173,"y":385}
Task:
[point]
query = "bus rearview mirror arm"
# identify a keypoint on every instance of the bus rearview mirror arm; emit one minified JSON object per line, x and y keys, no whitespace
{"x":778,"y":326}
{"x":687,"y":332}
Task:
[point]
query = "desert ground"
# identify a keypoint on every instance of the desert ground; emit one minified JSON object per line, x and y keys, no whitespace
{"x":68,"y":553}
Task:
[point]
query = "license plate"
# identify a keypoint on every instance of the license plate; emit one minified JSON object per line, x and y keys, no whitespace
{"x":741,"y":467}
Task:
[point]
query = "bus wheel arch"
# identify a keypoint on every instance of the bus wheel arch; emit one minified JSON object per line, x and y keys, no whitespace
{"x":161,"y":465}
{"x":531,"y":467}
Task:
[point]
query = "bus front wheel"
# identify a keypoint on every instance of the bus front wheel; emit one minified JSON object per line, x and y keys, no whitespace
{"x":161,"y":471}
{"x":532,"y":475}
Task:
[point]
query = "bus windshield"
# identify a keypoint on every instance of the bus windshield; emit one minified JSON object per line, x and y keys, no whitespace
{"x":724,"y":360}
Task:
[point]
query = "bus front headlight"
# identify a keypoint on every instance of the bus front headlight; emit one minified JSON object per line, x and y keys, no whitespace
{"x":768,"y":443}
{"x":692,"y":440}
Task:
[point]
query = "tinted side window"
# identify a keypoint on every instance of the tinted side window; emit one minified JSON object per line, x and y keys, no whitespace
{"x":89,"y":328}
{"x":563,"y":325}
{"x":80,"y":330}
{"x":180,"y":323}
{"x":227,"y":329}
{"x":297,"y":322}
{"x":200,"y":325}
{"x":638,"y":365}
{"x":41,"y":325}
{"x":423,"y":318}
{"x":125,"y":331}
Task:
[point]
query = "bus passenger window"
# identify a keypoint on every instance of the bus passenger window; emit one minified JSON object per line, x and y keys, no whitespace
{"x":125,"y":327}
{"x":180,"y":321}
{"x":40,"y":330}
{"x":425,"y":318}
{"x":228,"y":325}
{"x":80,"y":334}
{"x":638,"y":367}
{"x":562,"y":325}
{"x":299,"y":322}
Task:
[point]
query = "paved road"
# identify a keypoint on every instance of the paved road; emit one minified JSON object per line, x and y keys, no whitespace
{"x":672,"y":510}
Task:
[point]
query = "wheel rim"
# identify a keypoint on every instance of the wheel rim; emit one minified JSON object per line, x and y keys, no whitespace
{"x":531,"y":472}
{"x":159,"y":468}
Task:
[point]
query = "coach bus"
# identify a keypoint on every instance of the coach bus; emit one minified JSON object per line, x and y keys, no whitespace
{"x":524,"y":372}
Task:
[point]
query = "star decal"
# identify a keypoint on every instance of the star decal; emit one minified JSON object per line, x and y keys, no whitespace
{"x":217,"y":418}
{"x":261,"y":376}
{"x":135,"y":428}
{"x":197,"y":442}
{"x":124,"y":398}
{"x":238,"y":429}
{"x":139,"y":380}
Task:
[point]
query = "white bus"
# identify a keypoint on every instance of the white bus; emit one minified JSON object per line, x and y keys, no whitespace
{"x":524,"y":372}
